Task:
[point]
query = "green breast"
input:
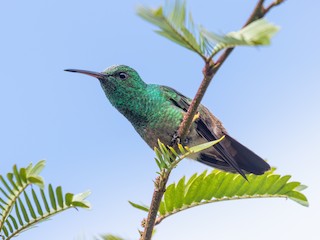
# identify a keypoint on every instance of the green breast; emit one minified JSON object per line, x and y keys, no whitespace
{"x":161,"y":118}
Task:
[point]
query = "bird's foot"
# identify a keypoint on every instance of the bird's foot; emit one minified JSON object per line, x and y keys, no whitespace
{"x":177,"y":140}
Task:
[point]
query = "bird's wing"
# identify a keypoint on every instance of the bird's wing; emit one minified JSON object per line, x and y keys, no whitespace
{"x":177,"y":98}
{"x":210,"y":128}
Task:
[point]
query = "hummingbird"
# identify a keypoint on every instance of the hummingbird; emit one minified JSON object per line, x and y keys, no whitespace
{"x":156,"y":112}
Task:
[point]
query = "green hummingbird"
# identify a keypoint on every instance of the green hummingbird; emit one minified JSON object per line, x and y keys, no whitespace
{"x":156,"y":112}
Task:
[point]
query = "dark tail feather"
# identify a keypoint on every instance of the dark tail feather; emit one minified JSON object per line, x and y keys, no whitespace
{"x":248,"y":160}
{"x":244,"y":158}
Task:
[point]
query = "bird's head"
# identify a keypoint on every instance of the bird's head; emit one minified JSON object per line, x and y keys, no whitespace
{"x":117,"y":78}
{"x":122,"y":85}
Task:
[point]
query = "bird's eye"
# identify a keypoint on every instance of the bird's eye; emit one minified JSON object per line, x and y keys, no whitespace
{"x":123,"y":75}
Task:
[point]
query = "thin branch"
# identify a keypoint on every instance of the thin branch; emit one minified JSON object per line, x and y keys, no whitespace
{"x":160,"y":188}
{"x":268,"y":8}
{"x":256,"y":14}
{"x":188,"y":117}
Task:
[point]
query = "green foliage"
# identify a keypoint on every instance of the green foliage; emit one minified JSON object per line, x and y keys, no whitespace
{"x":174,"y":25}
{"x":22,"y":209}
{"x":222,"y":186}
{"x":258,"y":32}
{"x":167,"y":157}
{"x":138,"y":206}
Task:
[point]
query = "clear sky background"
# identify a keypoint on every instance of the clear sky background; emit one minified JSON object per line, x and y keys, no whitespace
{"x":268,"y":98}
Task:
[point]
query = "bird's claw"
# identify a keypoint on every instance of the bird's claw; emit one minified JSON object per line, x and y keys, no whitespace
{"x":177,"y":140}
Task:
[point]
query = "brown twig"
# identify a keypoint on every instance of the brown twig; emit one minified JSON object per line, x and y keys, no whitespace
{"x":209,"y":70}
{"x":160,"y":188}
{"x":187,"y":120}
{"x":268,"y":8}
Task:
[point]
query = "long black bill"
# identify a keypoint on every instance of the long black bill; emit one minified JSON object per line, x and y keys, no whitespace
{"x":90,"y":73}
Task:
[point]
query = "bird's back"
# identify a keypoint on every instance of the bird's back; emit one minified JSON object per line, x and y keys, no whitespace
{"x":228,"y":155}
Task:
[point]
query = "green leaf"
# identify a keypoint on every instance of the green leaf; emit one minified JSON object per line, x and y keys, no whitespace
{"x":181,"y":149}
{"x":45,"y":201}
{"x":4,"y":182}
{"x":17,"y":175}
{"x":226,"y":181}
{"x":10,"y":177}
{"x":30,"y":207}
{"x":37,"y":180}
{"x":52,"y":197}
{"x":23,"y":175}
{"x":208,"y":185}
{"x":204,"y":146}
{"x":14,"y":222}
{"x":214,"y":184}
{"x":193,"y":190}
{"x":28,"y":169}
{"x":36,"y":170}
{"x":221,"y":186}
{"x":17,"y":211}
{"x":79,"y":200}
{"x":179,"y":193}
{"x":167,"y":157}
{"x":173,"y":151}
{"x":298,"y":197}
{"x":59,"y":196}
{"x":278,"y":184}
{"x":68,"y":199}
{"x":238,"y":181}
{"x":300,"y":188}
{"x":191,"y":180}
{"x":162,"y":209}
{"x":5,"y":193}
{"x":82,"y":204}
{"x":289,"y":187}
{"x":37,"y":203}
{"x":81,"y":196}
{"x":9,"y":226}
{"x":173,"y":24}
{"x":169,"y":197}
{"x":271,"y":179}
{"x":256,"y":33}
{"x":138,"y":206}
{"x":5,"y":231}
{"x":255,"y":182}
{"x":24,"y":211}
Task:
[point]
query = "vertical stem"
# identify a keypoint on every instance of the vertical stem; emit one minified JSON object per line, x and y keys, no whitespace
{"x":188,"y":117}
{"x":160,"y":188}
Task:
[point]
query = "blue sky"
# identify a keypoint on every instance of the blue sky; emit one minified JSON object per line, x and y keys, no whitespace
{"x":267,"y":97}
